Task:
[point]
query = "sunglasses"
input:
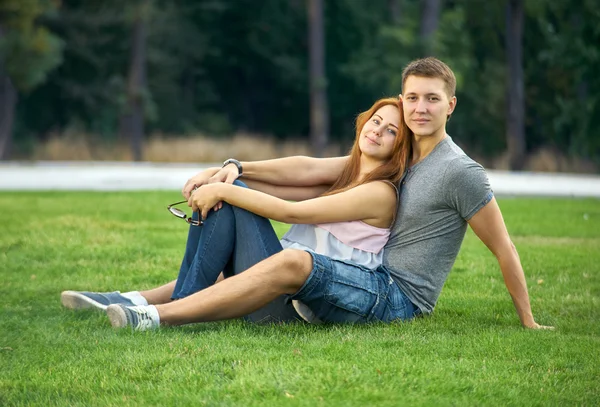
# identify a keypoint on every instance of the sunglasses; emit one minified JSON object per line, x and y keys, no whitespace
{"x":181,"y":214}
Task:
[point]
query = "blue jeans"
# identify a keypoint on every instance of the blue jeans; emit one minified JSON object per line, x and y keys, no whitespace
{"x":231,"y":240}
{"x":339,"y":291}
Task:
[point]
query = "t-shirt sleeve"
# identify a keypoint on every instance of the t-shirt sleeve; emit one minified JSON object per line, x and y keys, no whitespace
{"x":467,"y":187}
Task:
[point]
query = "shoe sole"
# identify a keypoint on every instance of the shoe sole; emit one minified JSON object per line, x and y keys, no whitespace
{"x":117,"y":317}
{"x":306,"y":313}
{"x":75,"y":300}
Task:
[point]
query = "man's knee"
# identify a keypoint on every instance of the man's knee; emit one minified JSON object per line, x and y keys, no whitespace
{"x":297,"y":264}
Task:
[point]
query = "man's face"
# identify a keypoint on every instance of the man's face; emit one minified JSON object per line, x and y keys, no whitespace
{"x":426,"y":106}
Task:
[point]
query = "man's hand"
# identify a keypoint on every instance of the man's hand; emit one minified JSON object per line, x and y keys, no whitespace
{"x":535,"y":325}
{"x":227,"y":174}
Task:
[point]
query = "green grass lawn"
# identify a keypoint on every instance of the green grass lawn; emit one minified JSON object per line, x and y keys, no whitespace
{"x":471,"y":351}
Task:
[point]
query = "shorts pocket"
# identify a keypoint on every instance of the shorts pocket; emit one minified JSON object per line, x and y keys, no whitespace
{"x":352,"y":297}
{"x":396,"y":300}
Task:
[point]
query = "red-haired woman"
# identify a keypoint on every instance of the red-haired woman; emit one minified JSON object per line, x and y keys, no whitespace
{"x":350,"y":221}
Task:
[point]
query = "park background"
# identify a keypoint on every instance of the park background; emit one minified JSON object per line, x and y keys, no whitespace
{"x":179,"y":84}
{"x":200,"y":81}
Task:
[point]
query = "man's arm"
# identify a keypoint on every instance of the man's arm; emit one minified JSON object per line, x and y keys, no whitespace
{"x":489,"y":226}
{"x":297,"y":171}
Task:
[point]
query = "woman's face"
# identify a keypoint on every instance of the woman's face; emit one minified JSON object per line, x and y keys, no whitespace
{"x":379,"y":133}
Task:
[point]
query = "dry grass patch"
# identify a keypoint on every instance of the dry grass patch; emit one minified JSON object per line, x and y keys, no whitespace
{"x":556,"y":241}
{"x":165,"y":148}
{"x":544,"y":159}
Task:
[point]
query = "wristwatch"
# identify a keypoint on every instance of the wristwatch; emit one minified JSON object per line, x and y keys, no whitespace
{"x":237,"y":164}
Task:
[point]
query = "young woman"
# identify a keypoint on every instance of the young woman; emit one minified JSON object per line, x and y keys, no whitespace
{"x":351,"y":221}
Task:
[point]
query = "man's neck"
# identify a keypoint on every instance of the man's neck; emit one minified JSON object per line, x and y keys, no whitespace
{"x":424,"y":145}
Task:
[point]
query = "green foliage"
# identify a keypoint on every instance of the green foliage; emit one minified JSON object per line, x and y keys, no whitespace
{"x":471,"y":351}
{"x":224,"y":65}
{"x":569,"y":77}
{"x":29,"y":51}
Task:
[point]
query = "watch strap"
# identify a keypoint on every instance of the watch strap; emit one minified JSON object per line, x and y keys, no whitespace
{"x":237,"y":164}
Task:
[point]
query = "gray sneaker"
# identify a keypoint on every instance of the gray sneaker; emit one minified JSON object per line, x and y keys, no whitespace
{"x":136,"y":317}
{"x":85,"y":299}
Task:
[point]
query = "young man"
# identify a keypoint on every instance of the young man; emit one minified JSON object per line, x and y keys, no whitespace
{"x":442,"y":191}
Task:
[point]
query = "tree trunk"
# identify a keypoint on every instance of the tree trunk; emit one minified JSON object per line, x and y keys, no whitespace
{"x":515,"y":123}
{"x":319,"y":110}
{"x":132,"y":120}
{"x":395,"y":11}
{"x":430,"y":18}
{"x":8,"y":101}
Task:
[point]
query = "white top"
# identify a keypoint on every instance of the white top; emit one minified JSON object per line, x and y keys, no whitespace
{"x":353,"y":241}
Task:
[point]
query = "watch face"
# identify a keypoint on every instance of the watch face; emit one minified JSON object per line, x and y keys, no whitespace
{"x":236,"y":162}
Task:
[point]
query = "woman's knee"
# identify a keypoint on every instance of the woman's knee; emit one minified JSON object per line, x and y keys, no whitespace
{"x":224,"y":214}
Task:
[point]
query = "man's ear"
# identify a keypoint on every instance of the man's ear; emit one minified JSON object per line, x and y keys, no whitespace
{"x":452,"y":105}
{"x":400,"y":97}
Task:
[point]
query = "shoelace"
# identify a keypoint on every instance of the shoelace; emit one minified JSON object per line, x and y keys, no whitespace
{"x":144,"y":320}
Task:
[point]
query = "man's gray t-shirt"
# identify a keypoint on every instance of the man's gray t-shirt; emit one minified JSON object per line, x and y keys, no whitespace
{"x":437,"y":197}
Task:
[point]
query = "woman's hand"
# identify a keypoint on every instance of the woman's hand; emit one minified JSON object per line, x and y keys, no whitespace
{"x":227,"y":174}
{"x":198,"y":180}
{"x":204,"y":198}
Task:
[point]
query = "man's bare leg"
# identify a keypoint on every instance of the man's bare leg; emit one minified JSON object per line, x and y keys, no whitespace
{"x":159,"y":295}
{"x":162,"y":294}
{"x":282,"y":273}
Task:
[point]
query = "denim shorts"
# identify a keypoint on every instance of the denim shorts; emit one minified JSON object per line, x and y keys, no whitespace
{"x":340,"y":291}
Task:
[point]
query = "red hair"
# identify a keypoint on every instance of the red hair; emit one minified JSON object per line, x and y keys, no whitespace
{"x":392,"y":169}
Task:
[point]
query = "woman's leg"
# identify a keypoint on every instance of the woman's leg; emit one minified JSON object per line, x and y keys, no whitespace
{"x":194,"y":274}
{"x":256,"y":240}
{"x":208,"y":250}
{"x":232,"y":240}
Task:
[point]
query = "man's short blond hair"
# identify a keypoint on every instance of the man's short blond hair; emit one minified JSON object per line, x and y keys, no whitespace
{"x":431,"y":68}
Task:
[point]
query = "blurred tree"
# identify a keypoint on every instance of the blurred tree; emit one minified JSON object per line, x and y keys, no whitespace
{"x":86,"y":92}
{"x":395,"y":7}
{"x":515,"y":123}
{"x":131,"y":126}
{"x":257,"y":62}
{"x":430,"y":16}
{"x":8,"y":100}
{"x":470,"y":38}
{"x":219,"y":66}
{"x":28,"y":51}
{"x":319,"y":111}
{"x":563,"y":87}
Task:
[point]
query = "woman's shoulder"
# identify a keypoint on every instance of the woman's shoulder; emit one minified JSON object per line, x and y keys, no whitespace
{"x":382,"y":187}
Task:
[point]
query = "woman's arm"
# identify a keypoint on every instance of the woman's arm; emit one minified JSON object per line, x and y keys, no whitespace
{"x":288,"y":193}
{"x":373,"y":203}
